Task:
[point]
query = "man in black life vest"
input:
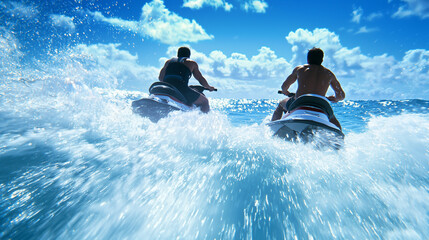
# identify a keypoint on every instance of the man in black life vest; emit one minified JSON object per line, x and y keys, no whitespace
{"x":178,"y":71}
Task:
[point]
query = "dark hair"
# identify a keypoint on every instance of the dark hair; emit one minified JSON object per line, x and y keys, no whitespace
{"x":183,"y":52}
{"x":315,"y":56}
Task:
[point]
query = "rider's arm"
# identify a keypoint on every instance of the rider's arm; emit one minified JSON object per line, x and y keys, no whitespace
{"x":289,"y":81}
{"x":162,"y":72}
{"x":197,"y":74}
{"x":339,"y":92}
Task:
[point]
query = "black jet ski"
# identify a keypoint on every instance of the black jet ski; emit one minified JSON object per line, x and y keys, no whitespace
{"x":308,"y":121}
{"x":163,"y":99}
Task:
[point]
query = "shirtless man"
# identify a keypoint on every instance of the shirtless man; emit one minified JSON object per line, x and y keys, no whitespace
{"x":178,"y":71}
{"x":313,"y":78}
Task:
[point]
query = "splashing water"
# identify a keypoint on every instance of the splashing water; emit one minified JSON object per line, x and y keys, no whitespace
{"x":77,"y":164}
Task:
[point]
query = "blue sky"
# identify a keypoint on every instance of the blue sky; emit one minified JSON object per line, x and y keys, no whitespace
{"x":245,"y":48}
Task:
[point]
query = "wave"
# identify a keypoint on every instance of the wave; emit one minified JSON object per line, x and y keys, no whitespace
{"x":80,"y":165}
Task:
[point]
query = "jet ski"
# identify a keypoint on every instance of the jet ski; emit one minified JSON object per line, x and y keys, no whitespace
{"x":308,"y":121}
{"x":163,"y":99}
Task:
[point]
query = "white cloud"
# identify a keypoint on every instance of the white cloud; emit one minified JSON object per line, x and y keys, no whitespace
{"x":374,"y":15}
{"x":159,"y":23}
{"x":132,"y":26}
{"x":197,"y":4}
{"x":255,"y":6}
{"x":418,"y":8}
{"x":258,"y":6}
{"x":415,"y":66}
{"x":364,"y":29}
{"x":357,"y":15}
{"x":63,"y":22}
{"x":303,"y":40}
{"x":265,"y":65}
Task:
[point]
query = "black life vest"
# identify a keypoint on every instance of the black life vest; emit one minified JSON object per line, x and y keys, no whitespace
{"x":177,"y":68}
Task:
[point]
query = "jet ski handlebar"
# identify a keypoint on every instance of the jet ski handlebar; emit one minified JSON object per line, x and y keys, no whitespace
{"x":200,"y":88}
{"x":289,"y":95}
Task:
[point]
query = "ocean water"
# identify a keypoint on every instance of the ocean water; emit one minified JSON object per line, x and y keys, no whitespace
{"x":76,"y":163}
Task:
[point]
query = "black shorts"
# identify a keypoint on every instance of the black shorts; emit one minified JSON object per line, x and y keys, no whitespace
{"x":190,"y":94}
{"x":181,"y":85}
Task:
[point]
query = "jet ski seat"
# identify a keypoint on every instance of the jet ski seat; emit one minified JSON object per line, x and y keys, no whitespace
{"x":164,"y":88}
{"x":313,"y":100}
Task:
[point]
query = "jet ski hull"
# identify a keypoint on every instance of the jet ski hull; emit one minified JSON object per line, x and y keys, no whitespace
{"x":154,"y":108}
{"x":163,"y":99}
{"x":291,"y":129}
{"x":308,"y":131}
{"x":307,"y":123}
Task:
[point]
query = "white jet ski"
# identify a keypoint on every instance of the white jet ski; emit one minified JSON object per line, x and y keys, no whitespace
{"x":308,"y":121}
{"x":163,"y":99}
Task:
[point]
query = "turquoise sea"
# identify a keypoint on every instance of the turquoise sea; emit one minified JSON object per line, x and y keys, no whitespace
{"x":76,"y":163}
